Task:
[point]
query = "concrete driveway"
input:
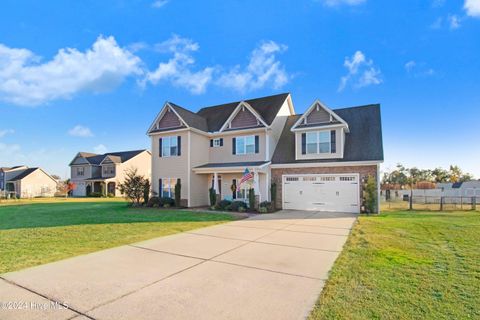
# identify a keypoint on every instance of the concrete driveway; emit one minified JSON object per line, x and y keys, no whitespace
{"x":265,"y":267}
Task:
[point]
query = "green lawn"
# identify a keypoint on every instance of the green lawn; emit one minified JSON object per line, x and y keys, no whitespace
{"x":407,"y":265}
{"x":33,"y":234}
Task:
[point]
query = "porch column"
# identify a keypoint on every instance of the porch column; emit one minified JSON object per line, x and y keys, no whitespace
{"x":256,"y":185}
{"x":215,"y":182}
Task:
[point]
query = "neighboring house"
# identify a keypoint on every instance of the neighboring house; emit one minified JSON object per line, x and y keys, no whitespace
{"x":96,"y":172}
{"x":318,"y":160}
{"x":27,"y":182}
{"x":460,"y":189}
{"x":9,"y":172}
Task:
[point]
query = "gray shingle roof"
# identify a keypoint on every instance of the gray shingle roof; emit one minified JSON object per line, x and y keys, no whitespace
{"x":266,"y":107}
{"x":192,"y":119}
{"x":119,"y":157}
{"x":363,"y":143}
{"x":23,"y":174}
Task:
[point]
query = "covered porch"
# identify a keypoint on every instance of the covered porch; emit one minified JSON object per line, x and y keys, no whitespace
{"x":100,"y":185}
{"x":225,"y":178}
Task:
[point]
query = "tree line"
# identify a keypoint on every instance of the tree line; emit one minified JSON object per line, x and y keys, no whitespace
{"x":413,"y":177}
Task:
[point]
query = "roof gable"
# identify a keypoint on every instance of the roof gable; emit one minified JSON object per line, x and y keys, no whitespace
{"x":319,"y":114}
{"x":244,"y":116}
{"x":81,"y":158}
{"x":171,"y":123}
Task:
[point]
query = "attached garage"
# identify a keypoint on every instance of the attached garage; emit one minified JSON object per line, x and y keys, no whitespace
{"x":321,"y":192}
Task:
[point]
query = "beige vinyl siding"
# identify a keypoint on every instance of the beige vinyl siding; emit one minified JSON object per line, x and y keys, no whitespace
{"x":170,"y":167}
{"x":199,"y":146}
{"x":36,"y":184}
{"x":141,"y":162}
{"x":336,"y":155}
{"x":224,"y":154}
{"x":87,"y":172}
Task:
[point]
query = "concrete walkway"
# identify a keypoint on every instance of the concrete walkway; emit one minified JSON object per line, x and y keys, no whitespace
{"x":265,"y":267}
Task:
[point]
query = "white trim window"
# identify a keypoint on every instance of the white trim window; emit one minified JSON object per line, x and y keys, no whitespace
{"x":168,"y":187}
{"x":245,"y":145}
{"x":216,"y":142}
{"x":80,"y":171}
{"x":318,"y":142}
{"x":170,"y":146}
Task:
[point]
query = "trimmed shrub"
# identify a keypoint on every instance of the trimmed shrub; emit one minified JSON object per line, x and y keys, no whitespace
{"x":262,"y":210}
{"x":273,"y":193}
{"x":146,"y":191}
{"x":251,"y":199}
{"x":96,"y":195}
{"x":267,"y":205}
{"x":242,"y":209}
{"x":236,"y":205}
{"x":178,"y":193}
{"x":222,"y":205}
{"x":213,"y":197}
{"x":110,"y":195}
{"x":164,"y":201}
{"x":153,"y":202}
{"x":370,"y":195}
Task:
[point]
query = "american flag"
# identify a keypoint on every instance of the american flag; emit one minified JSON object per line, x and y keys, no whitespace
{"x":247,"y":175}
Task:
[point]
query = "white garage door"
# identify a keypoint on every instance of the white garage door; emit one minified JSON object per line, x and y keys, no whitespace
{"x":321,"y":192}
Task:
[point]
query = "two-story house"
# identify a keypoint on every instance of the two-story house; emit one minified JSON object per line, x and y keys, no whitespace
{"x":318,"y":160}
{"x":103,"y":172}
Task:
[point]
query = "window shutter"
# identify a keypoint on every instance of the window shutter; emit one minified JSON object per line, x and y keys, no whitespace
{"x":221,"y":142}
{"x":211,"y":143}
{"x":304,"y":143}
{"x":179,"y":145}
{"x":257,"y":143}
{"x":234,"y":146}
{"x":160,"y":147}
{"x":333,"y":141}
{"x":160,"y":188}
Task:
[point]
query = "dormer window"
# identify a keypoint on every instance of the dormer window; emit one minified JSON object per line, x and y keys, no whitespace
{"x":319,"y":142}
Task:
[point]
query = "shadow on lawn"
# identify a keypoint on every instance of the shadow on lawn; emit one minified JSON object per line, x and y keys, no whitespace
{"x":77,"y":213}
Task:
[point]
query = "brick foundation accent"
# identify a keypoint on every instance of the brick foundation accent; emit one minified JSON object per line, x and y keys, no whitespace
{"x":277,"y":173}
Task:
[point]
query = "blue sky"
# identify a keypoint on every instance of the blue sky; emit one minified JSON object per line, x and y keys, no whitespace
{"x":92,"y":75}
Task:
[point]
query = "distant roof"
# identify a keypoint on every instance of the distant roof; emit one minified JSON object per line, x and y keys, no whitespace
{"x":362,"y":143}
{"x":12,"y":168}
{"x":117,"y":157}
{"x":212,"y":118}
{"x":457,"y":185}
{"x":232,"y":164}
{"x":23,"y":174}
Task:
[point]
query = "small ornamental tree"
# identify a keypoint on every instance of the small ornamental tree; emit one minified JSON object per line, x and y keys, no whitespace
{"x":178,"y":193}
{"x":64,"y":187}
{"x":133,"y":187}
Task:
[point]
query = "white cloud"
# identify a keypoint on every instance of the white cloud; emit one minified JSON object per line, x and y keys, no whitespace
{"x":25,"y":80}
{"x":410,"y":65}
{"x":454,"y":22}
{"x":334,"y":3}
{"x":100,"y":149}
{"x":418,"y":69}
{"x":361,"y":72}
{"x":159,"y":3}
{"x":7,"y":150}
{"x":177,"y":69}
{"x":263,"y":69}
{"x":80,"y":131}
{"x":472,"y":7}
{"x":4,"y":132}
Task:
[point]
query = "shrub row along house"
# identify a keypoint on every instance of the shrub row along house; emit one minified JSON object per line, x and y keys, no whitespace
{"x":100,"y":174}
{"x":25,"y":182}
{"x":318,"y":160}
